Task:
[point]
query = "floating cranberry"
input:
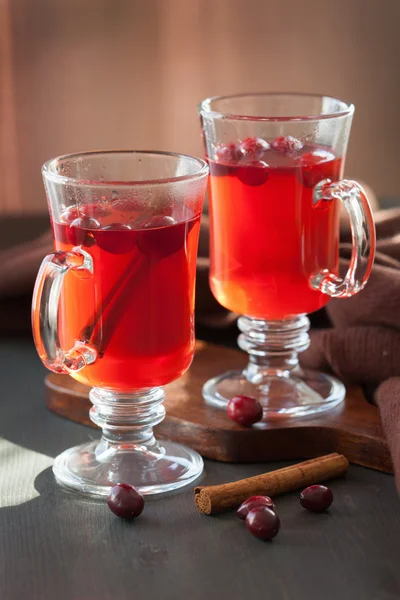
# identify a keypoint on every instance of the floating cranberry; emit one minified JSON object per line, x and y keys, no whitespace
{"x":125,"y":502}
{"x":228,"y":153}
{"x":94,"y":210}
{"x":254,"y":147}
{"x":162,"y":236}
{"x":158,"y":221}
{"x":253,"y":502}
{"x":316,"y":498}
{"x":286,"y":145}
{"x":263,"y":523}
{"x":245,"y":410}
{"x":70,"y":214}
{"x":316,"y":166}
{"x":116,"y":238}
{"x":126,"y":204}
{"x":310,"y":176}
{"x":80,"y":231}
{"x":254,"y":173}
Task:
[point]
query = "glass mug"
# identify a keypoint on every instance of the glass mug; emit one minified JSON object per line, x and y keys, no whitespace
{"x":276,"y":164}
{"x":113,"y":307}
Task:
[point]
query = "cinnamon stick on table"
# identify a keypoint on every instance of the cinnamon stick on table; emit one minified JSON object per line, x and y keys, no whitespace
{"x":218,"y":498}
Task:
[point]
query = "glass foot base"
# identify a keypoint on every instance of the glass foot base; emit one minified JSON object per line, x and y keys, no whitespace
{"x":302,"y":394}
{"x":154,"y":468}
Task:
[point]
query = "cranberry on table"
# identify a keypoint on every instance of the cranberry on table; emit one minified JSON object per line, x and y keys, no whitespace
{"x":124,"y":501}
{"x":253,"y":502}
{"x":316,"y":498}
{"x":245,"y":410}
{"x":263,"y":523}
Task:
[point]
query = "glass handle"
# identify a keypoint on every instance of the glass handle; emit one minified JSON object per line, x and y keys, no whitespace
{"x":45,"y":306}
{"x":362,"y":225}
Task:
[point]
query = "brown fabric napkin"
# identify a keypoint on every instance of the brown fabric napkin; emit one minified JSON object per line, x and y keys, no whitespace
{"x":363,"y":344}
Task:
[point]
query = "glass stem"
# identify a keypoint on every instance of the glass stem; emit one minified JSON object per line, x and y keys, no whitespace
{"x":127,"y":418}
{"x":273,"y":346}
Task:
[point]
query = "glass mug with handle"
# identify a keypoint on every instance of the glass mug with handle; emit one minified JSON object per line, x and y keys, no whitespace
{"x":275,"y":191}
{"x":113,"y":307}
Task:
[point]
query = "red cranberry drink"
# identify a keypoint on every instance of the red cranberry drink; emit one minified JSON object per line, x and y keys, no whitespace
{"x":137,"y":309}
{"x":271,"y":236}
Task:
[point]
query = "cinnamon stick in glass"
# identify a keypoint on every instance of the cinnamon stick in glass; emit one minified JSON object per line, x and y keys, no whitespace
{"x":218,"y":498}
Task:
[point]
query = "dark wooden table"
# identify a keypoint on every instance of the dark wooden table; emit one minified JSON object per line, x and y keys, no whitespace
{"x":55,"y":546}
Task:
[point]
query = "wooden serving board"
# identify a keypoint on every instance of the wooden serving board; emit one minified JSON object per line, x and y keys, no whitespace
{"x":354,"y":429}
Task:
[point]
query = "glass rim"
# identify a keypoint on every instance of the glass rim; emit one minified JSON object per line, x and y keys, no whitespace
{"x":205,"y":107}
{"x":50,"y":175}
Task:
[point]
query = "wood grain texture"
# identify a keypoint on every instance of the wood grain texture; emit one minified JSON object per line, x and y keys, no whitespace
{"x":54,"y":545}
{"x":353,"y":430}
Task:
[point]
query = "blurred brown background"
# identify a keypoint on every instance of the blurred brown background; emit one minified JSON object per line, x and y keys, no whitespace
{"x":89,"y":74}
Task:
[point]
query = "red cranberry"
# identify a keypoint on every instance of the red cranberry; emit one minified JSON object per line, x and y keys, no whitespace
{"x":116,"y":238}
{"x":80,"y":233}
{"x":70,"y":214}
{"x":124,"y":501}
{"x":245,"y":410}
{"x":253,"y":173}
{"x":262,"y":522}
{"x":316,"y":498}
{"x":310,"y":176}
{"x":316,"y":166}
{"x":254,"y":147}
{"x":162,"y":236}
{"x":126,"y":204}
{"x":228,"y":153}
{"x":158,"y":222}
{"x":94,"y":210}
{"x":251,"y":503}
{"x":286,"y":145}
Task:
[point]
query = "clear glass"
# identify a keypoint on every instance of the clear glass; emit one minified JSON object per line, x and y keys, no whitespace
{"x":275,"y":190}
{"x":113,"y":307}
